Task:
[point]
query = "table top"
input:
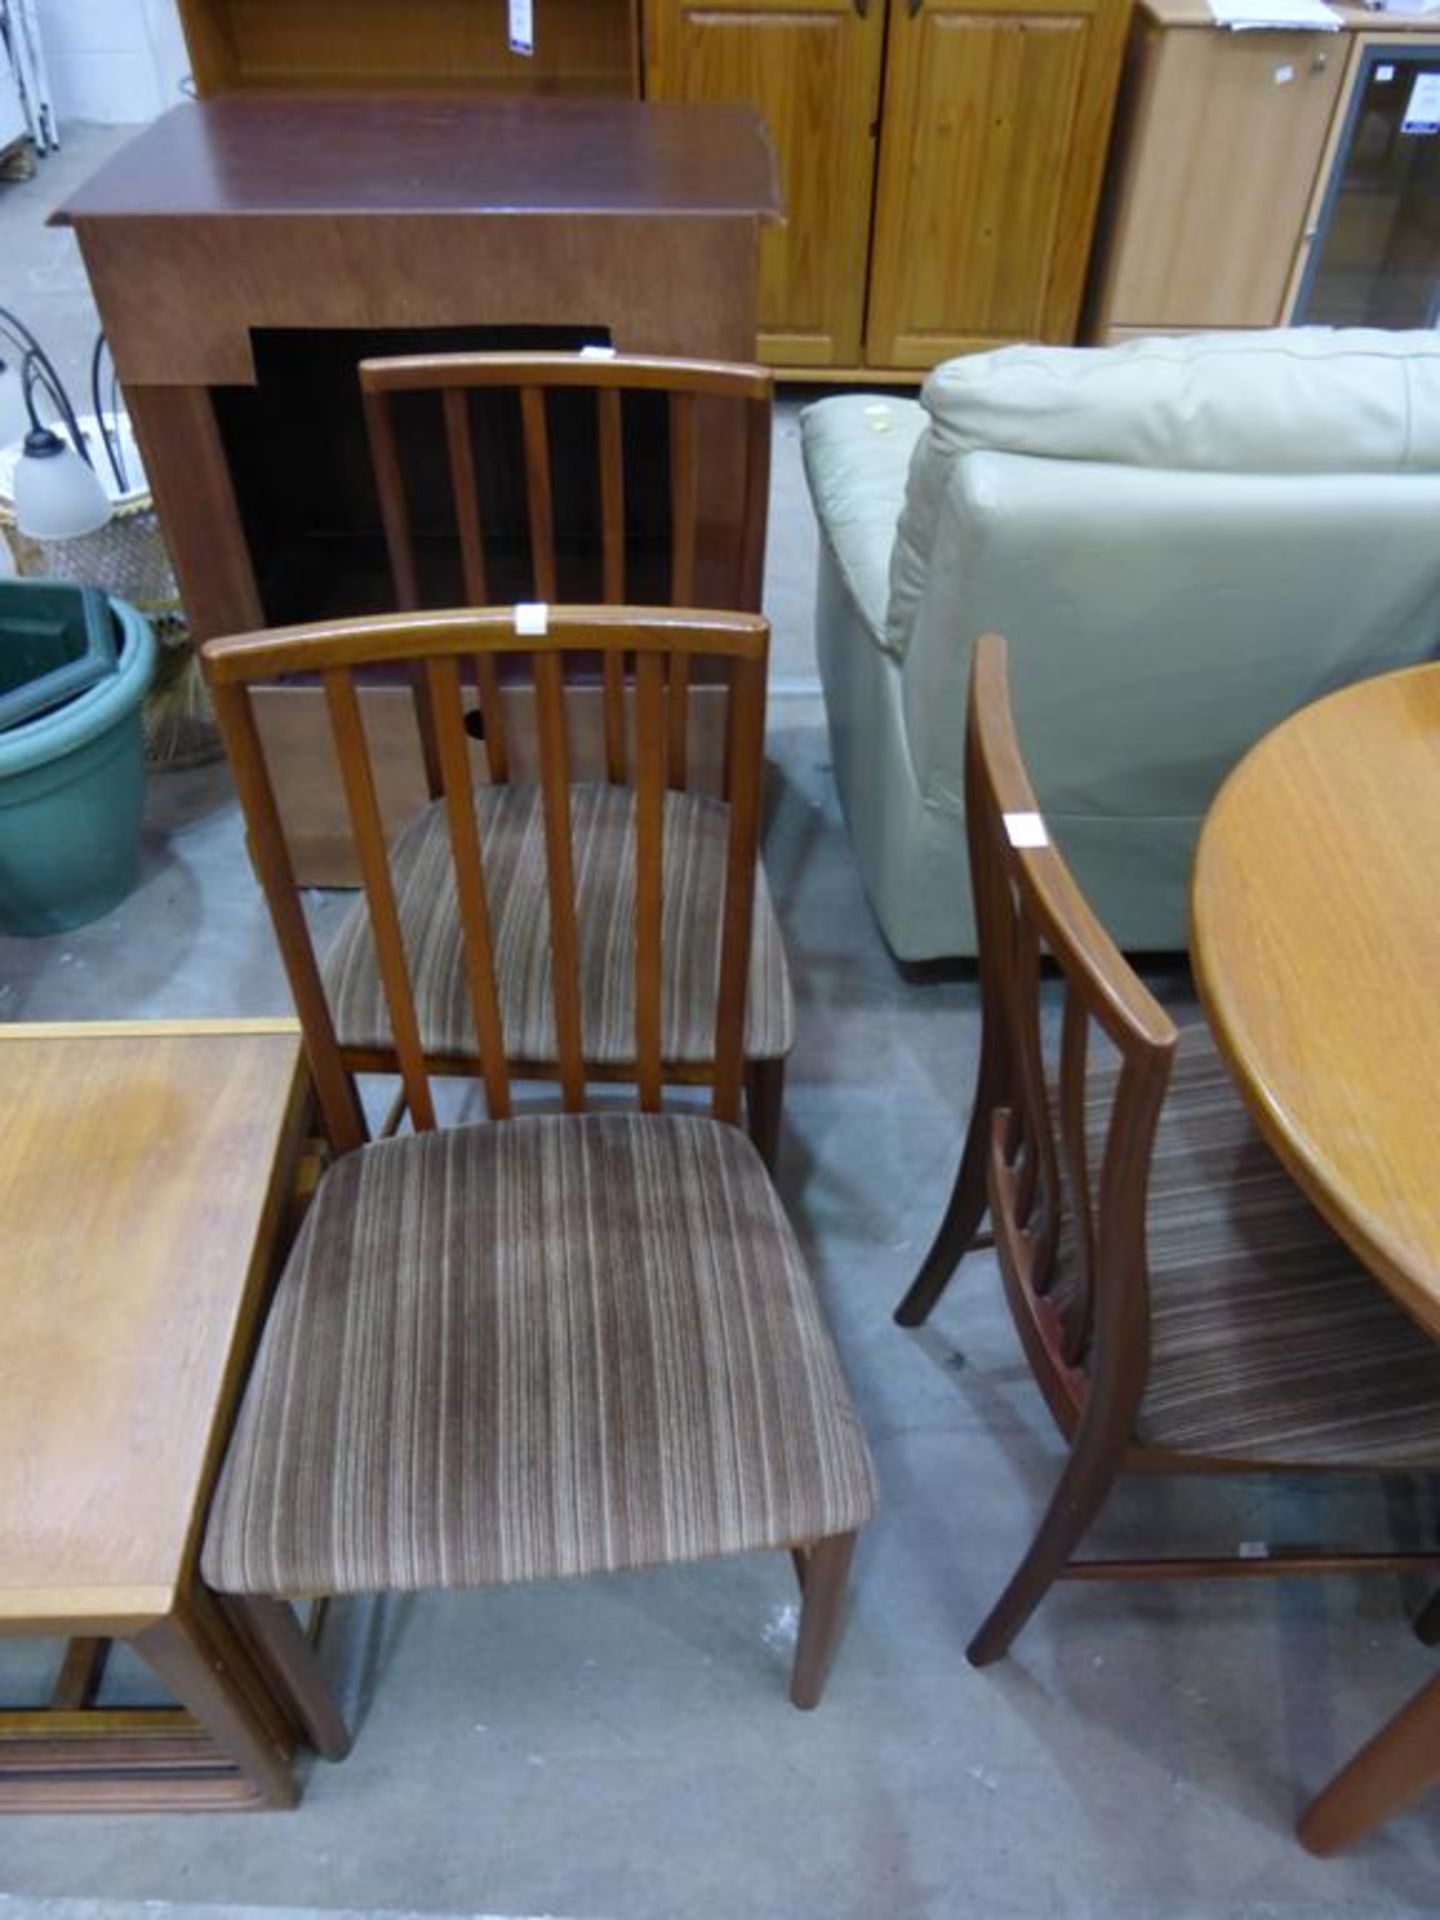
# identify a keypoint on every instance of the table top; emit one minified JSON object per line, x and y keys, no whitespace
{"x":142,"y":1170}
{"x":366,"y":155}
{"x":1316,"y":945}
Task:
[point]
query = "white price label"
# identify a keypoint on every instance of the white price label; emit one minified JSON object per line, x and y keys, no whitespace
{"x":1026,"y":830}
{"x":522,"y":26}
{"x":1422,"y":115}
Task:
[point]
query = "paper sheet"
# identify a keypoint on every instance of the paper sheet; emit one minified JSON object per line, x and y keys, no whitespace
{"x":1290,"y":16}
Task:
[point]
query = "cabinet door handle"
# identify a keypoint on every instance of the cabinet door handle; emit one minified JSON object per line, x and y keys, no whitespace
{"x":915,"y":6}
{"x":862,"y":9}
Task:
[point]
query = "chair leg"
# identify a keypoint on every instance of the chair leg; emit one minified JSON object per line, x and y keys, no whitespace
{"x":968,"y":1202}
{"x":1096,"y":1455}
{"x":1383,"y":1778}
{"x":824,"y":1585}
{"x":1427,"y":1621}
{"x":764,"y":1097}
{"x":282,"y":1641}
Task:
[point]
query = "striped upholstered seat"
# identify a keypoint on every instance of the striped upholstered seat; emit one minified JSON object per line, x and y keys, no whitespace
{"x":513,"y":848}
{"x":548,"y":1347}
{"x":1268,"y":1340}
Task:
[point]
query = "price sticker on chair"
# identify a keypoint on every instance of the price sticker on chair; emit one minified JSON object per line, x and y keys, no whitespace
{"x":532,"y":618}
{"x":1026,"y":830}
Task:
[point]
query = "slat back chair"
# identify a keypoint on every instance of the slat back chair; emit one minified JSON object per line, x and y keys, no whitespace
{"x":440,"y":645}
{"x":1037,"y":1150}
{"x":716,"y":415}
{"x":1092,"y":1132}
{"x":728,"y":572}
{"x":545,"y":1345}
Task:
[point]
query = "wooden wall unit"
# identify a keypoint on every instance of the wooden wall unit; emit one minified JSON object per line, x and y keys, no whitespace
{"x":962,"y":140}
{"x":1223,"y":144}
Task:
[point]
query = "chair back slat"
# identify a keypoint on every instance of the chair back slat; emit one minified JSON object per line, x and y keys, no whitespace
{"x":539,"y":494}
{"x":1070,"y":1235}
{"x":746,"y":741}
{"x":465,"y":953}
{"x":461,"y":450}
{"x":649,"y":874}
{"x":1075,"y":1149}
{"x":560,"y":866}
{"x":758,"y":437}
{"x":363,"y":806}
{"x":684,"y":532}
{"x":390,"y":487}
{"x":400,"y":548}
{"x":340,"y":1109}
{"x":612,"y":525}
{"x":472,"y":903}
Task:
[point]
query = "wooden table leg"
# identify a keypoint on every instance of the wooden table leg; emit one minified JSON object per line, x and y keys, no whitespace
{"x":1386,"y":1774}
{"x":197,"y":1655}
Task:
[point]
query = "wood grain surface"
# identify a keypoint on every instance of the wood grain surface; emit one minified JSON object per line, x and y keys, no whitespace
{"x":142,"y":1169}
{"x":1316,"y":945}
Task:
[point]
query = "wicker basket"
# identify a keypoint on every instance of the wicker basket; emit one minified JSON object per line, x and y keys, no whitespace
{"x":127,"y":558}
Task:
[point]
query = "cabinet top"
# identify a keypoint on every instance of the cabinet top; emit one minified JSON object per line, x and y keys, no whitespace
{"x":1196,"y":13}
{"x":297,"y":154}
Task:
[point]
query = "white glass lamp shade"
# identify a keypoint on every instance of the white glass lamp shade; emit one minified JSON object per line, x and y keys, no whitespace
{"x":57,"y":496}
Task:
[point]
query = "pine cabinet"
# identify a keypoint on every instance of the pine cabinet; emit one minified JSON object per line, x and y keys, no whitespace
{"x":940,"y":162}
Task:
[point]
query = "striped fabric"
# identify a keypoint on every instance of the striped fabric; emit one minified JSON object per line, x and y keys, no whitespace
{"x":1269,"y":1340}
{"x":553,"y":1346}
{"x":603,"y":851}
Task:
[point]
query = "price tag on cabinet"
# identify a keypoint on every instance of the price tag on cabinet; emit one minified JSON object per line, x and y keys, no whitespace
{"x":1422,"y":114}
{"x":522,"y":27}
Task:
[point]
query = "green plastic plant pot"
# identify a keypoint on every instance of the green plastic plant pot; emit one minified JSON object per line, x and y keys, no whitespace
{"x":72,"y":787}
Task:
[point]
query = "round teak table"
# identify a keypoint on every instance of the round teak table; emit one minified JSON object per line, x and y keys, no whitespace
{"x":1316,"y":944}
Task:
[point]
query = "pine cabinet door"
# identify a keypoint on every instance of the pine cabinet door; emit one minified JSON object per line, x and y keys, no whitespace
{"x":812,"y":68}
{"x":995,"y":122}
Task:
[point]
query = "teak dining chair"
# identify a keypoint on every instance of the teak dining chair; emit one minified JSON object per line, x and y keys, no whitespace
{"x":537,"y":1346}
{"x":1182,"y":1306}
{"x":520,"y":397}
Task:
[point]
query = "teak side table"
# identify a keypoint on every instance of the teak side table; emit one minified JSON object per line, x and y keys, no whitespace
{"x":146,"y":1172}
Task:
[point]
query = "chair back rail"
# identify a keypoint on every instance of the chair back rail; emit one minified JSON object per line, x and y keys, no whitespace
{"x":684,"y":385}
{"x":1043,"y":1178}
{"x":435,"y":647}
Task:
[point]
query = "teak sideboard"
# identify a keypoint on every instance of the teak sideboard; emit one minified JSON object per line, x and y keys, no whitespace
{"x":1223,"y":157}
{"x":939,"y":160}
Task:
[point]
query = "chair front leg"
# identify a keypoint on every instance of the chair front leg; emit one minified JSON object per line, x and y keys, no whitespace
{"x":824,"y":1586}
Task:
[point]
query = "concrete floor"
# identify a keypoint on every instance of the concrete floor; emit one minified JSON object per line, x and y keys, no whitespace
{"x":624,"y":1747}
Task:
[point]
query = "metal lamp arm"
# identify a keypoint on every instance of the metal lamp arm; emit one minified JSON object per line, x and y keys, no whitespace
{"x":37,"y":366}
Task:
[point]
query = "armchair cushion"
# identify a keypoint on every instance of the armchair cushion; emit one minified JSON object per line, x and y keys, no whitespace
{"x":1302,"y":400}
